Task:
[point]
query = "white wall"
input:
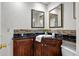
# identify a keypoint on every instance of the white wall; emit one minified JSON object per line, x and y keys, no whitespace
{"x":0,"y":26}
{"x":19,"y":14}
{"x":16,"y":16}
{"x":68,"y":22}
{"x":0,"y":22}
{"x":77,"y":28}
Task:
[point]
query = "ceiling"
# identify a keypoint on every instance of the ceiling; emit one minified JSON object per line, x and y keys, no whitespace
{"x":45,"y":3}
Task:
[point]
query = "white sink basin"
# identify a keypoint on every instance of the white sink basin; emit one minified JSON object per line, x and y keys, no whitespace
{"x":39,"y":37}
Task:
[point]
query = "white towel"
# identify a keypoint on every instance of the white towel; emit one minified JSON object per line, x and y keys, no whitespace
{"x":39,"y":37}
{"x":47,"y":36}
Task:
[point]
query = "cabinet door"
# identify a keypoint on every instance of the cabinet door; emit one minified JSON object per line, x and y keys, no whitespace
{"x":23,"y":47}
{"x":50,"y":50}
{"x":38,"y":48}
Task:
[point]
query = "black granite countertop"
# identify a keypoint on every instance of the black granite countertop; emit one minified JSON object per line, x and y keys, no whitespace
{"x":33,"y":35}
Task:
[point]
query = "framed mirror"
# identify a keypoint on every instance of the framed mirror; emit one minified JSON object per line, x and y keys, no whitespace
{"x":37,"y":19}
{"x":56,"y":17}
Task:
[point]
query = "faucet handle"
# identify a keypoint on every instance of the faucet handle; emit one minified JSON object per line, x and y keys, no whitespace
{"x":45,"y":45}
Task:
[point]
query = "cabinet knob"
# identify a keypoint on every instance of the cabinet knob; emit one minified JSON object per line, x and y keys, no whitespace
{"x":45,"y":45}
{"x":42,"y":44}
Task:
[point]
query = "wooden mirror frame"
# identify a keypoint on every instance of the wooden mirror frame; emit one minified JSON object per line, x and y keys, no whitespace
{"x":32,"y":19}
{"x":61,"y":16}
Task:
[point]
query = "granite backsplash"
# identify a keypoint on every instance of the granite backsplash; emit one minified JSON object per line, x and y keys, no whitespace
{"x":69,"y":35}
{"x":64,"y":32}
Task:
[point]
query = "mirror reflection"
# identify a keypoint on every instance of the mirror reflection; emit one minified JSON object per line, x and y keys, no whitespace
{"x":37,"y":19}
{"x":55,"y":17}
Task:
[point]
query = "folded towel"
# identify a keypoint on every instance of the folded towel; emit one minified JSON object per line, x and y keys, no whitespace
{"x":47,"y":36}
{"x":39,"y":37}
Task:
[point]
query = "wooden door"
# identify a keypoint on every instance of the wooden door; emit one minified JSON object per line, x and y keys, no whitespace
{"x":50,"y":50}
{"x":52,"y":47}
{"x":38,"y":49}
{"x":23,"y":47}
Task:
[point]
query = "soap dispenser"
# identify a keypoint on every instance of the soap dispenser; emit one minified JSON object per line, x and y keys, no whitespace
{"x":53,"y":35}
{"x":45,"y":32}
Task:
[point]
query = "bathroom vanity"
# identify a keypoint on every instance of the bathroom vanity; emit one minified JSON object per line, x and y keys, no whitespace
{"x":48,"y":47}
{"x":27,"y":46}
{"x":25,"y":43}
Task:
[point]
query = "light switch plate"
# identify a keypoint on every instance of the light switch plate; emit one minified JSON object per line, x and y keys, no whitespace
{"x":4,"y":45}
{"x":0,"y":46}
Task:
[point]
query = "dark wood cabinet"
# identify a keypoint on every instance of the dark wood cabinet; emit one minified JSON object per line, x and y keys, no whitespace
{"x":51,"y":51}
{"x":30,"y":47}
{"x":38,"y":49}
{"x":48,"y":48}
{"x":23,"y":47}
